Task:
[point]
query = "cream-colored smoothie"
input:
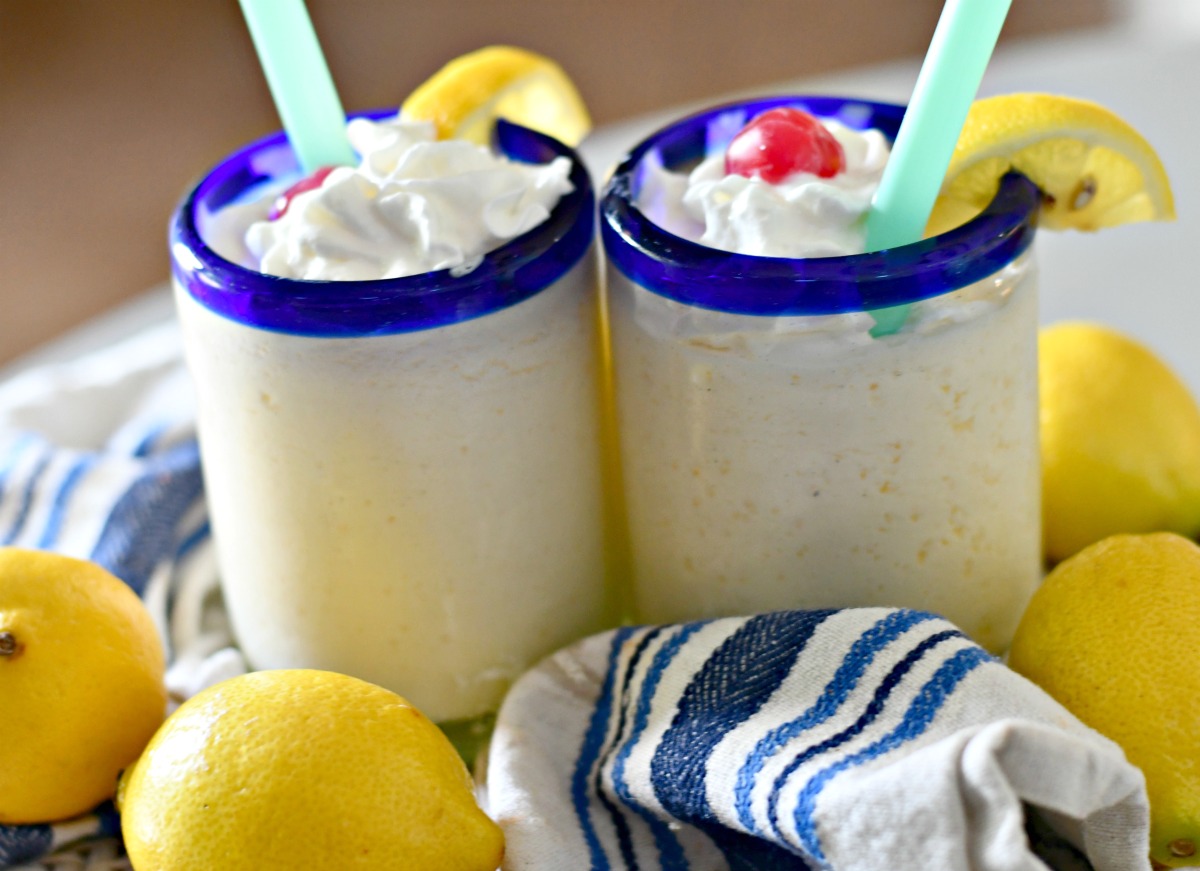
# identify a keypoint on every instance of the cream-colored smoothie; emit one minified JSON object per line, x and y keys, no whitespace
{"x":774,"y":463}
{"x":420,"y":510}
{"x":777,"y":455}
{"x":414,"y":501}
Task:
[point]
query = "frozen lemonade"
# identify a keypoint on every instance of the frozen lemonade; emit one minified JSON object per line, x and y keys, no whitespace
{"x":777,"y":455}
{"x":403,"y":473}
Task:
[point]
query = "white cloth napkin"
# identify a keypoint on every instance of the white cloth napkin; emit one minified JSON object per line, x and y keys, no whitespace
{"x":855,"y":740}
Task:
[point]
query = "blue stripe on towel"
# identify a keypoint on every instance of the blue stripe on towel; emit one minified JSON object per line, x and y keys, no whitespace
{"x":589,"y":754}
{"x":749,"y":853}
{"x":62,"y":500}
{"x":108,"y":820}
{"x":874,"y":709}
{"x":860,"y":656}
{"x":735,"y":682}
{"x":146,"y":445}
{"x":670,"y":852}
{"x":27,"y":498}
{"x":19,"y":844}
{"x":16,"y":449}
{"x":624,"y":837}
{"x":917,"y":718}
{"x":192,"y":541}
{"x":141,"y":528}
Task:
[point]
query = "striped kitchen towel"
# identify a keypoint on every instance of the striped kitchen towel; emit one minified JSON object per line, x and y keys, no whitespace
{"x":855,"y":740}
{"x":98,"y":460}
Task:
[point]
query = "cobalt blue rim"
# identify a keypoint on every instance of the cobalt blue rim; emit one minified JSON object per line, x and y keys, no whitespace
{"x":508,"y":275}
{"x":772,"y":286}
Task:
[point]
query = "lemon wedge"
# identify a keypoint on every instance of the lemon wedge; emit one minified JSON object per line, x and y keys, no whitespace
{"x":1094,"y":170}
{"x":466,"y":96}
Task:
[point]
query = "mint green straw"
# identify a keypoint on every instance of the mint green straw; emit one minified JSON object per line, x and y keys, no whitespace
{"x":962,"y":44}
{"x":300,"y":82}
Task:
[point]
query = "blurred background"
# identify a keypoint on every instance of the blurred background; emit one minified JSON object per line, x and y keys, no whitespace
{"x":110,"y":108}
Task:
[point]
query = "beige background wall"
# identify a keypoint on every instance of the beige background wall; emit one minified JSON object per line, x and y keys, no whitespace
{"x":108,"y":108}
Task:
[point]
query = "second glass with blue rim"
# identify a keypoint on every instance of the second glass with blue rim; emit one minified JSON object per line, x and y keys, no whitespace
{"x":404,"y":474}
{"x":777,"y":455}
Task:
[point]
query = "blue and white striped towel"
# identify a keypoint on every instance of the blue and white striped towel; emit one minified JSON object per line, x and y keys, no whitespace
{"x":856,"y":740}
{"x":98,"y":460}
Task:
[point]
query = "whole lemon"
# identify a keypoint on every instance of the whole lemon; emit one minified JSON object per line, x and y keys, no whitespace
{"x":1120,"y":438}
{"x":1112,"y":635}
{"x":81,"y":684}
{"x":302,"y":769}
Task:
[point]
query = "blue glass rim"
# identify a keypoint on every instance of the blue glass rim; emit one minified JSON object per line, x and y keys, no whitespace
{"x":507,"y":275}
{"x":710,"y":278}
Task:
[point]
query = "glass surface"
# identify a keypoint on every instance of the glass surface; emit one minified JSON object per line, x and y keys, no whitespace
{"x":775,"y":455}
{"x":507,"y":275}
{"x":404,"y":476}
{"x":695,"y":274}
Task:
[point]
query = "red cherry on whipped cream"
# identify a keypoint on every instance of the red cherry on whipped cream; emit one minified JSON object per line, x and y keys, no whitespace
{"x":781,"y":142}
{"x":308,"y":183}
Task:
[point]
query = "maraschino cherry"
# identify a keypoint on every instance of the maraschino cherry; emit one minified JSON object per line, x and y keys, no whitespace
{"x":308,"y":183}
{"x":781,"y":142}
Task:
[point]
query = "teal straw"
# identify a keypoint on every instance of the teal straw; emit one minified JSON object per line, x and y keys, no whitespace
{"x":300,"y":82}
{"x":962,"y":44}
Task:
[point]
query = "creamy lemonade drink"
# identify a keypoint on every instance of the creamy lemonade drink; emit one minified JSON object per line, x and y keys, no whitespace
{"x":776,"y":454}
{"x":399,"y":425}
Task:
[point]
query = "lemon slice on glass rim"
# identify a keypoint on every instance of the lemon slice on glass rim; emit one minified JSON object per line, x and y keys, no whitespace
{"x":466,"y":96}
{"x":1094,"y":170}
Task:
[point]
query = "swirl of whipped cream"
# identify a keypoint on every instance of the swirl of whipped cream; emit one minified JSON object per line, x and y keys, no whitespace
{"x":801,"y":216}
{"x":414,"y":204}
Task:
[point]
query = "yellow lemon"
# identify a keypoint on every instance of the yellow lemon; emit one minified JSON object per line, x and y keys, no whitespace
{"x":302,"y":769}
{"x":1120,"y":437}
{"x":466,"y":96}
{"x":81,"y":684}
{"x":1112,"y":635}
{"x":1094,"y":170}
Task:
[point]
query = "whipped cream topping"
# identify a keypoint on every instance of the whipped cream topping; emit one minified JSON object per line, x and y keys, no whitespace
{"x":802,"y":216}
{"x":415,"y":204}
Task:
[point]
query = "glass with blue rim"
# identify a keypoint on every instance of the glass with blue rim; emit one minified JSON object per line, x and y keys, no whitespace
{"x":404,"y":475}
{"x":776,"y":455}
